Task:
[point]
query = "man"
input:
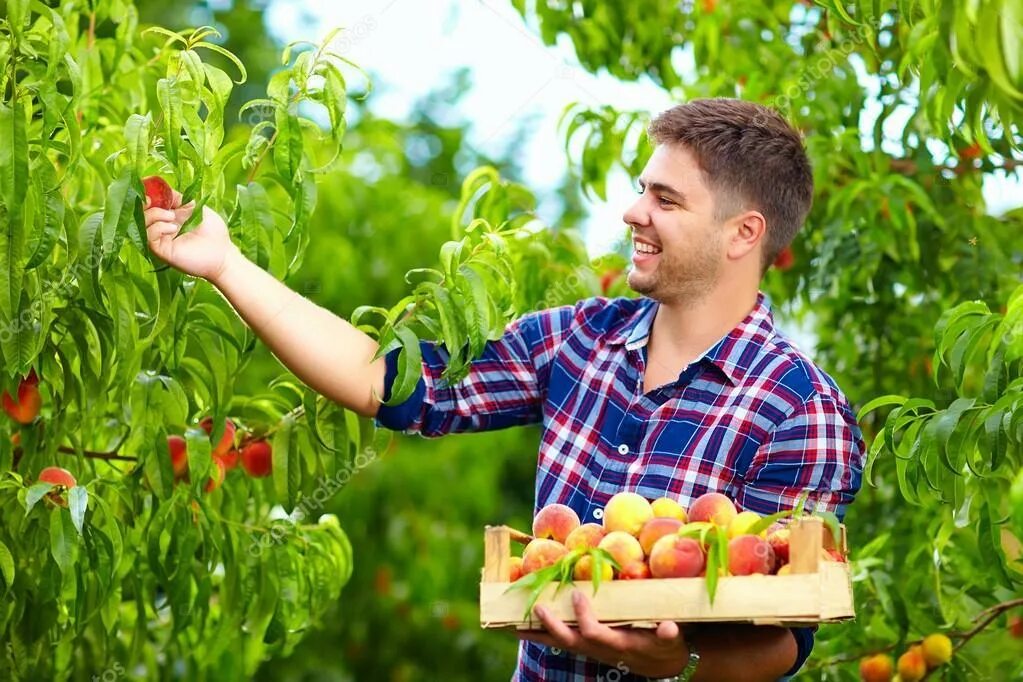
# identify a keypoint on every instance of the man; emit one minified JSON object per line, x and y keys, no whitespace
{"x":685,"y":390}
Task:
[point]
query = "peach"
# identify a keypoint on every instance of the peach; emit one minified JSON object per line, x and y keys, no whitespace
{"x":541,"y":553}
{"x":231,"y":459}
{"x":57,"y":476}
{"x":586,"y":535}
{"x":627,"y":512}
{"x":622,"y":547}
{"x":836,"y":555}
{"x":257,"y":459}
{"x":676,"y":557}
{"x":635,"y":570}
{"x":911,"y":665}
{"x":778,"y":537}
{"x":226,"y":440}
{"x":784,"y":569}
{"x":655,"y":529}
{"x":742,"y":524}
{"x":515,"y":569}
{"x":179,"y":455}
{"x":25,"y":409}
{"x":667,"y":508}
{"x":749,"y":554}
{"x":1016,"y":627}
{"x":555,"y":522}
{"x":158,"y":191}
{"x":713,"y":507}
{"x":876,"y":668}
{"x":936,"y":649}
{"x":584,"y":569}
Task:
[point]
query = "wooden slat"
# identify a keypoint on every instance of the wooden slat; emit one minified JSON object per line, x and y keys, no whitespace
{"x":496,"y":552}
{"x":806,"y":545}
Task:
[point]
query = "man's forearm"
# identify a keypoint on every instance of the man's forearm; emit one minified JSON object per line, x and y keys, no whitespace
{"x":320,"y":348}
{"x":743,"y":653}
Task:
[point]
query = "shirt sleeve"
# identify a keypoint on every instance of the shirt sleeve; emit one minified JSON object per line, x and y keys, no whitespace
{"x":817,"y":450}
{"x":505,"y":386}
{"x":804,"y":645}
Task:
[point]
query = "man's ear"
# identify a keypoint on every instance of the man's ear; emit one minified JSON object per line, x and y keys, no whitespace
{"x":746,"y":231}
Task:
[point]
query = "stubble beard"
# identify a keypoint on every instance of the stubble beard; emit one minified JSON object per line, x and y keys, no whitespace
{"x":680,"y":278}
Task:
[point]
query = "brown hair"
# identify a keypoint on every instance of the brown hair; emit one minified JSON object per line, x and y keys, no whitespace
{"x":751,"y":158}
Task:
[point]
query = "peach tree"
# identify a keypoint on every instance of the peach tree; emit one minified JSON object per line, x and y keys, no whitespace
{"x":154,"y":517}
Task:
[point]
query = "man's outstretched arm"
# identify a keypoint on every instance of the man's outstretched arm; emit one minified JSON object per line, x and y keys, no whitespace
{"x":323,"y":350}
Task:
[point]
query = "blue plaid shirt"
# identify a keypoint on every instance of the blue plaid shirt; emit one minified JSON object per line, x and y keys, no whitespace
{"x":753,"y":418}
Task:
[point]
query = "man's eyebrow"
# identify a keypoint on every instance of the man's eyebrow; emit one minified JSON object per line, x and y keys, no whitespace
{"x":662,"y":188}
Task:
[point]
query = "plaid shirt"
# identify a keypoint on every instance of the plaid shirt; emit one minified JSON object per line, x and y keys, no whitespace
{"x":753,"y":418}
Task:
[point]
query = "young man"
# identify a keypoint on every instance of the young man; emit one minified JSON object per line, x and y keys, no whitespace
{"x":685,"y":390}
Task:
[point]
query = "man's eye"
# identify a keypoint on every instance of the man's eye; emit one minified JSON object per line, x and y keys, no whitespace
{"x":665,"y":202}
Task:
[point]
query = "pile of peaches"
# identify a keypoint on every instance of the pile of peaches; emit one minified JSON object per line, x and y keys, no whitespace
{"x":656,"y":540}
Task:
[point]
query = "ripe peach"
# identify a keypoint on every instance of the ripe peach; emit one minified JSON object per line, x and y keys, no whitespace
{"x":622,"y":547}
{"x":778,"y":537}
{"x":748,"y":554}
{"x":158,"y":191}
{"x":219,"y":472}
{"x":25,"y":409}
{"x":179,"y":455}
{"x":231,"y":459}
{"x":1016,"y":627}
{"x":836,"y":555}
{"x":676,"y":557}
{"x":665,"y":507}
{"x":226,"y":440}
{"x":785,"y":259}
{"x":584,"y":569}
{"x":586,"y":535}
{"x":936,"y":649}
{"x":515,"y":571}
{"x":784,"y":569}
{"x":257,"y":458}
{"x":742,"y":523}
{"x":911,"y":665}
{"x":713,"y":507}
{"x":555,"y":522}
{"x":627,"y":512}
{"x":541,"y":553}
{"x":655,"y":529}
{"x":876,"y":668}
{"x":635,"y":570}
{"x":57,"y":476}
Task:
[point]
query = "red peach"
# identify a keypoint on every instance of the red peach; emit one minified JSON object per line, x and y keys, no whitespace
{"x":57,"y":476}
{"x":627,"y":512}
{"x":877,"y":668}
{"x":713,"y":507}
{"x":676,"y":557}
{"x":219,"y":472}
{"x":25,"y":409}
{"x":656,"y":528}
{"x":622,"y":547}
{"x":158,"y":191}
{"x":179,"y":455}
{"x":226,"y":440}
{"x":911,"y":665}
{"x":586,"y":535}
{"x":1016,"y":627}
{"x":515,"y":569}
{"x":257,"y":459}
{"x":748,"y":554}
{"x":778,"y":537}
{"x":635,"y":570}
{"x":555,"y":522}
{"x":541,"y":553}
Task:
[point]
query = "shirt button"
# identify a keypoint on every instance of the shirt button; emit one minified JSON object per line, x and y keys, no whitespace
{"x":598,"y":514}
{"x":623,"y":449}
{"x":556,"y":651}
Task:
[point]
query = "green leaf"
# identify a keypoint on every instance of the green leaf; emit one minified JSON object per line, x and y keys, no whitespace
{"x":6,"y":565}
{"x":137,"y":137}
{"x":35,"y":493}
{"x":285,"y":466}
{"x":288,"y":146}
{"x":63,"y":540}
{"x":118,"y":213}
{"x":410,"y":367}
{"x":78,"y":501}
{"x":877,"y":403}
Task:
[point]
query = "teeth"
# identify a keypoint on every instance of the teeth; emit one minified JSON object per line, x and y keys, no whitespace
{"x":645,"y":248}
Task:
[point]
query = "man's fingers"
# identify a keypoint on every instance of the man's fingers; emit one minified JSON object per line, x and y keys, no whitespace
{"x":591,"y":628}
{"x":564,"y":636}
{"x":154,"y":214}
{"x":667,"y":630}
{"x":161,"y":229}
{"x":538,"y":636}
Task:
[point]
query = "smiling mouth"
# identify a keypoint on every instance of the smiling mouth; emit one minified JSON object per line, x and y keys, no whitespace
{"x":641,"y":247}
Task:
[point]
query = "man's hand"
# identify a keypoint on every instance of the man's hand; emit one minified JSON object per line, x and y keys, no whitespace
{"x":203,"y":252}
{"x":659,"y":653}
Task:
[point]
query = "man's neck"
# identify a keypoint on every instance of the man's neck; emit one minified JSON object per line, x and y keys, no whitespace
{"x":683,"y":330}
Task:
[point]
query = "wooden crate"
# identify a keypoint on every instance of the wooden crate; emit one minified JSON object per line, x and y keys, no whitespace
{"x":818,"y":590}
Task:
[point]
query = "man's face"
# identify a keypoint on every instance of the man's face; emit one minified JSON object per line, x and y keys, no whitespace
{"x":675,"y":215}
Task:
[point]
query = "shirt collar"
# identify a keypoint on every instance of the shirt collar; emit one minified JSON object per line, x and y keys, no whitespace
{"x":733,"y":354}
